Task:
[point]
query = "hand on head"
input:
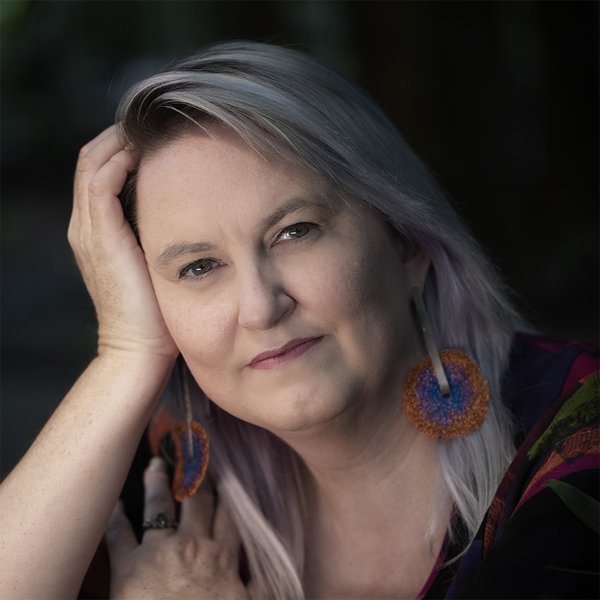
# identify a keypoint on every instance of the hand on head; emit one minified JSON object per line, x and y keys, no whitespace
{"x":108,"y":255}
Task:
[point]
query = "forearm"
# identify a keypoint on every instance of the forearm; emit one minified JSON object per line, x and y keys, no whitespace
{"x":56,"y":502}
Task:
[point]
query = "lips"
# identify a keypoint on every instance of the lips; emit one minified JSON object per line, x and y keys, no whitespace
{"x":293,"y":349}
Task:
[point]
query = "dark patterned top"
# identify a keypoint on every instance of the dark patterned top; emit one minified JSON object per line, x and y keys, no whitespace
{"x":539,"y":538}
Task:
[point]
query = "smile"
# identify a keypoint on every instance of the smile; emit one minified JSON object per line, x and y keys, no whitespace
{"x":272,"y":359}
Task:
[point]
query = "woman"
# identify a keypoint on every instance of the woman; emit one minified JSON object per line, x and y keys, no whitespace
{"x":289,"y":245}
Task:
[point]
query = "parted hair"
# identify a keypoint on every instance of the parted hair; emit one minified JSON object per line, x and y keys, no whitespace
{"x":288,"y":106}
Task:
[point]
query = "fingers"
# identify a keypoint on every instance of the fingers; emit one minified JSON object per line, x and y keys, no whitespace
{"x":101,"y":172}
{"x":120,"y":538}
{"x":224,"y":528}
{"x":91,"y":157}
{"x":197,"y":512}
{"x":193,"y":547}
{"x":110,"y":177}
{"x":102,"y":136}
{"x":158,"y":496}
{"x":96,"y":152}
{"x":210,"y":517}
{"x":105,"y":211}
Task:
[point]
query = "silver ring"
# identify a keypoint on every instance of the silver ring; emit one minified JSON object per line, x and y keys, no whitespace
{"x":159,"y":521}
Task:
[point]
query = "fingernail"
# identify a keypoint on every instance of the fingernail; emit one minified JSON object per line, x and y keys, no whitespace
{"x":156,"y":464}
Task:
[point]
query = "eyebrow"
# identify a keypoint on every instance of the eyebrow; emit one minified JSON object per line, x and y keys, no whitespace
{"x":179,"y":249}
{"x":293,"y":205}
{"x":174,"y":251}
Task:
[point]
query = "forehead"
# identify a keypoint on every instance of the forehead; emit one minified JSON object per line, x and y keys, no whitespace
{"x":214,"y":169}
{"x":206,"y":154}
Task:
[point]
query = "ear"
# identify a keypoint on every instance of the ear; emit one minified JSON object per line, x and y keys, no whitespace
{"x":416,"y":262}
{"x":417,"y":268}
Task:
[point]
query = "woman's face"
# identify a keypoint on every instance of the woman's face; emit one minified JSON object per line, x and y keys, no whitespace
{"x":289,"y":304}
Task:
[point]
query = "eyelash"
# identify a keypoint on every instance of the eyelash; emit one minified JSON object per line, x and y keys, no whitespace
{"x":278,"y":239}
{"x":310,"y":227}
{"x":196,"y":264}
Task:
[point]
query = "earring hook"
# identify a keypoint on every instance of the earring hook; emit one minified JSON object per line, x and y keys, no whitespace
{"x":427,"y":335}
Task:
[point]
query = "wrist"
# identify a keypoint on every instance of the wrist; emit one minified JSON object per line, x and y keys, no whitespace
{"x":156,"y":352}
{"x":130,"y":344}
{"x":135,"y":361}
{"x":121,"y":386}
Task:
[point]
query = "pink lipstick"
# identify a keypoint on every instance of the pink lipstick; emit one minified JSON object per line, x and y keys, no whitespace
{"x":271,"y":359}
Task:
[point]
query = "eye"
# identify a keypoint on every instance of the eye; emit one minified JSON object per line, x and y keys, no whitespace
{"x":198,"y":268}
{"x":296,"y":231}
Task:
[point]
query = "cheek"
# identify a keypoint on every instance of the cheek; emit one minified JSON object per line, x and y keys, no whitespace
{"x":367,"y":299}
{"x":362,"y":282}
{"x":200,"y":329}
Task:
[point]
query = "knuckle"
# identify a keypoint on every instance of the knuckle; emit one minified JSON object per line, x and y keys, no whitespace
{"x":189,"y":549}
{"x":160,"y":556}
{"x":225,"y":559}
{"x":95,"y":188}
{"x":85,"y":164}
{"x":72,"y":236}
{"x":73,"y":244}
{"x":116,"y":160}
{"x":76,"y":244}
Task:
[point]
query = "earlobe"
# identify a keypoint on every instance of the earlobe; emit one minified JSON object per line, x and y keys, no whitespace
{"x":417,"y":268}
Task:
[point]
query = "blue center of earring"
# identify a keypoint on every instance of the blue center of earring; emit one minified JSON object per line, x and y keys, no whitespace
{"x":439,"y":409}
{"x":194,"y":465}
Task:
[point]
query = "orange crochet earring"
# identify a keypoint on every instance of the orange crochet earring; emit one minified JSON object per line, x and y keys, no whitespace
{"x":188,"y":438}
{"x":445,"y":395}
{"x":192,"y":447}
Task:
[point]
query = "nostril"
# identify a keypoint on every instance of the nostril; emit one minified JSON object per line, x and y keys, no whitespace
{"x":262,"y":310}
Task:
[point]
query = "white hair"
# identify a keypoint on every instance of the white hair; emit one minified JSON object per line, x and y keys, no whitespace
{"x":286,"y":105}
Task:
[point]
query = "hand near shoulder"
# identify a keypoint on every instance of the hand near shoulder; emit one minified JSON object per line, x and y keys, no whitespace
{"x":109,"y":256}
{"x":200,"y":559}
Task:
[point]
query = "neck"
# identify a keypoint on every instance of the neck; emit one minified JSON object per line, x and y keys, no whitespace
{"x":371,"y":482}
{"x":369,"y":444}
{"x":374,"y":483}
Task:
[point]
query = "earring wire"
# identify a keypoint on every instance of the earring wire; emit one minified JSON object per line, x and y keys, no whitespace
{"x":427,"y":334}
{"x":185,"y":388}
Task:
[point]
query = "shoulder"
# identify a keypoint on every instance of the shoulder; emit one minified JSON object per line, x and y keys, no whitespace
{"x":543,"y":371}
{"x":540,"y":535}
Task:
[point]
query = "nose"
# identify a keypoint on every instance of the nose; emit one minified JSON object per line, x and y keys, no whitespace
{"x":263,"y":299}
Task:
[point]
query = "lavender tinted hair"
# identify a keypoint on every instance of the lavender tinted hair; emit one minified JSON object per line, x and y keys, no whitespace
{"x":287,"y":106}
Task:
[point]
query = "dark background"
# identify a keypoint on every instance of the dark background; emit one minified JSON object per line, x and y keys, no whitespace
{"x":499,"y":98}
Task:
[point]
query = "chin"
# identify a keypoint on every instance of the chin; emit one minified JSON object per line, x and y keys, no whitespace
{"x":292,"y":404}
{"x":303,"y":413}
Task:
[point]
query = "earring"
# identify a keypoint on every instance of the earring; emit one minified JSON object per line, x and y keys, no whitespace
{"x":445,"y":395}
{"x":192,"y":447}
